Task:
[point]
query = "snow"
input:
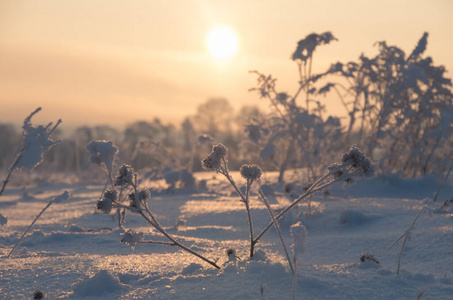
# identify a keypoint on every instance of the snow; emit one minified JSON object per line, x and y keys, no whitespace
{"x":74,"y":252}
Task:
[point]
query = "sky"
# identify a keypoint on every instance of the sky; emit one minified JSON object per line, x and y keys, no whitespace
{"x":93,"y":62}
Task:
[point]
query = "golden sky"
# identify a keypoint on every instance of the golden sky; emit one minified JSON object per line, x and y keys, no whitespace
{"x":113,"y":62}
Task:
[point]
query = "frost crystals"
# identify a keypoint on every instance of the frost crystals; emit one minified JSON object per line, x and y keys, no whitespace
{"x":132,"y":238}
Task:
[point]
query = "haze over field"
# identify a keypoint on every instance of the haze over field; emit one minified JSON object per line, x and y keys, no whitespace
{"x":104,"y":62}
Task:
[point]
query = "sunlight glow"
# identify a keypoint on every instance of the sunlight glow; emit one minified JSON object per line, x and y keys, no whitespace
{"x":222,"y":42}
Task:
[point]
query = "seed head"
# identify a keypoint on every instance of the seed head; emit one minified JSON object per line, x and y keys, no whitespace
{"x":359,"y":161}
{"x":105,"y":206}
{"x":213,"y":162}
{"x":125,"y":176}
{"x":111,"y":195}
{"x":220,"y":151}
{"x":251,"y":172}
{"x":143,"y":194}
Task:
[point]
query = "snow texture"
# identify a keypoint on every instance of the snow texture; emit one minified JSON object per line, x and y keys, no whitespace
{"x":76,"y":253}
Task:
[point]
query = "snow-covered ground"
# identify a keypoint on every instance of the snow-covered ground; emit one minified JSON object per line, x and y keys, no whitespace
{"x":75,"y":252}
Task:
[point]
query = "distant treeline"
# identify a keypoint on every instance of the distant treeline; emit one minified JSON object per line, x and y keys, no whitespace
{"x":148,"y":144}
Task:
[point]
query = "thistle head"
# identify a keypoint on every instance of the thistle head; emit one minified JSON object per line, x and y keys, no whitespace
{"x":142,"y":194}
{"x":213,"y":162}
{"x":251,"y":172}
{"x":106,"y":203}
{"x":125,"y":176}
{"x":357,"y":159}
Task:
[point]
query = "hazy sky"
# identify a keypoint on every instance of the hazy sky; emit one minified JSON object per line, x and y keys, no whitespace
{"x":105,"y":61}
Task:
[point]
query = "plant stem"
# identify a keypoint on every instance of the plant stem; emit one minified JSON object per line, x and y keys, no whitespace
{"x":442,"y":184}
{"x":310,"y":191}
{"x":11,"y":170}
{"x":404,"y":236}
{"x":400,"y":255}
{"x":249,"y":215}
{"x":161,"y":230}
{"x":158,"y":243}
{"x":32,"y":223}
{"x":277,"y":228}
{"x":230,"y":179}
{"x":245,"y":199}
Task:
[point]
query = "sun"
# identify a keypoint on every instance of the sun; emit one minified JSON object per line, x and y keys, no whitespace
{"x":222,"y":42}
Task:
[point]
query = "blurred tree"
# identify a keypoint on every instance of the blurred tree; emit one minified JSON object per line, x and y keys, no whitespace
{"x":247,"y":114}
{"x":188,"y":132}
{"x":213,"y":116}
{"x":105,"y":132}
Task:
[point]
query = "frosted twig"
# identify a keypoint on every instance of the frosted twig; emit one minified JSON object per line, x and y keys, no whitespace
{"x":277,"y":228}
{"x":158,"y":243}
{"x":57,"y":199}
{"x":404,"y":236}
{"x":156,"y":225}
{"x":442,"y":184}
{"x":5,"y":182}
{"x":354,"y":164}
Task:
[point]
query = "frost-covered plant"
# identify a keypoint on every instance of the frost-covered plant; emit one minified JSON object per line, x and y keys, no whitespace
{"x":401,"y":106}
{"x":217,"y":161}
{"x":35,"y":142}
{"x":57,"y":199}
{"x":354,"y":164}
{"x":126,"y":195}
{"x":296,"y":135}
{"x":103,"y":154}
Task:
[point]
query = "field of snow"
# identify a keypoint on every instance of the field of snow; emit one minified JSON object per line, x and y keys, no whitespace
{"x":75,"y":252}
